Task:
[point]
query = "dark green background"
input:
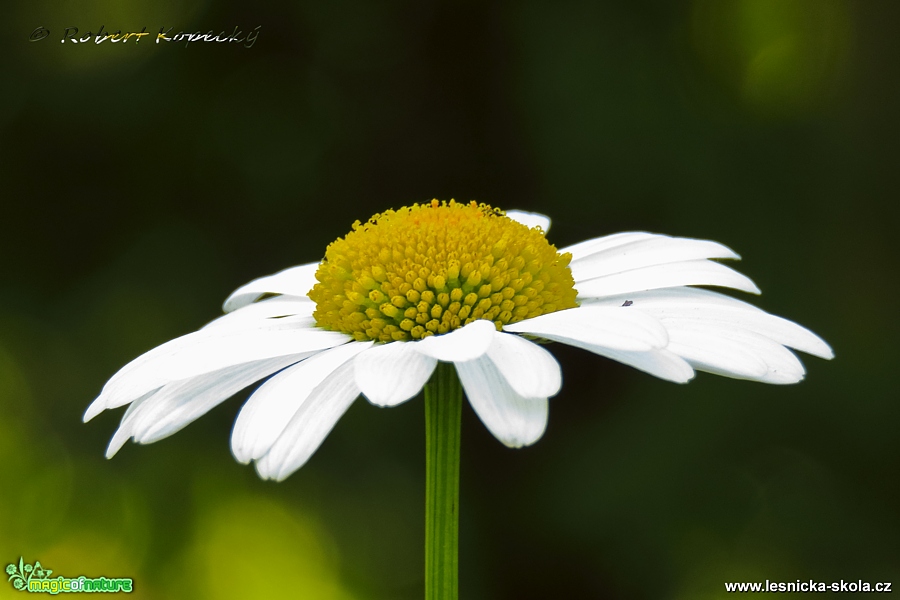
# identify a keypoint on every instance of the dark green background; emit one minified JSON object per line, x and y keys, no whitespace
{"x":142,"y":183}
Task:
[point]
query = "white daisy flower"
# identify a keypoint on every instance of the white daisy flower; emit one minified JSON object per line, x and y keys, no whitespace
{"x":457,"y":283}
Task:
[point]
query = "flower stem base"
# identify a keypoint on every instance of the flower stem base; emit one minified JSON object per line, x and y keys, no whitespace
{"x":443,"y":415}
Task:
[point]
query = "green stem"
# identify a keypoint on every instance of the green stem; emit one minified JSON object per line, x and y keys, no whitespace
{"x":443,"y":413}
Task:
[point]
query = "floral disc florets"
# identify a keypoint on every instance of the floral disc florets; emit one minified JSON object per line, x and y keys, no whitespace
{"x":431,"y":268}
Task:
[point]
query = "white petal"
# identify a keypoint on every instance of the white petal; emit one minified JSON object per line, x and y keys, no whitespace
{"x":660,"y":363}
{"x":514,"y":420}
{"x":204,"y":352}
{"x":129,"y":382}
{"x":530,"y":219}
{"x":641,"y":253}
{"x":689,"y":272}
{"x":531,"y":371}
{"x":389,"y":374}
{"x":588,"y":327}
{"x":139,"y":377}
{"x":179,"y":403}
{"x":309,"y":426}
{"x":731,"y":351}
{"x":466,"y":343}
{"x":725,"y":336}
{"x":588,"y":247}
{"x":296,"y":281}
{"x":263,"y":314}
{"x":268,"y":411}
{"x":123,"y":433}
{"x":709,"y":306}
{"x":715,"y":354}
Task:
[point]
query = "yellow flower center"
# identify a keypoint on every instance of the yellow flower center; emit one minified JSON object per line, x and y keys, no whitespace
{"x":431,"y":268}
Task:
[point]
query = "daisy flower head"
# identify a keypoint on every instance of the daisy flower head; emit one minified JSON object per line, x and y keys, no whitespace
{"x":456,"y":283}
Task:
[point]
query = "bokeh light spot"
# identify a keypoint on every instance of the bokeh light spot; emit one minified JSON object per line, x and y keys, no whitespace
{"x":782,"y":57}
{"x":254,"y":548}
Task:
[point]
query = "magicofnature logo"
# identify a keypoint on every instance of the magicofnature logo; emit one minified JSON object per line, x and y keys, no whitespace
{"x":35,"y":578}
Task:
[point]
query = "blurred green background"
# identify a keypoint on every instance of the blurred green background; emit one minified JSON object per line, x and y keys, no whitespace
{"x":142,"y":183}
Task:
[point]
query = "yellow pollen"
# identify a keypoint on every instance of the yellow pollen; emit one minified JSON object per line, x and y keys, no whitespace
{"x":428,"y":269}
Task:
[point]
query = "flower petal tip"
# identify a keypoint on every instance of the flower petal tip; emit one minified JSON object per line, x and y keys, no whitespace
{"x":825,"y":351}
{"x":786,"y":379}
{"x":239,"y":451}
{"x":388,"y":402}
{"x":269,"y":472}
{"x":678,"y":376}
{"x":115,"y":444}
{"x":524,"y":443}
{"x":93,"y":410}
